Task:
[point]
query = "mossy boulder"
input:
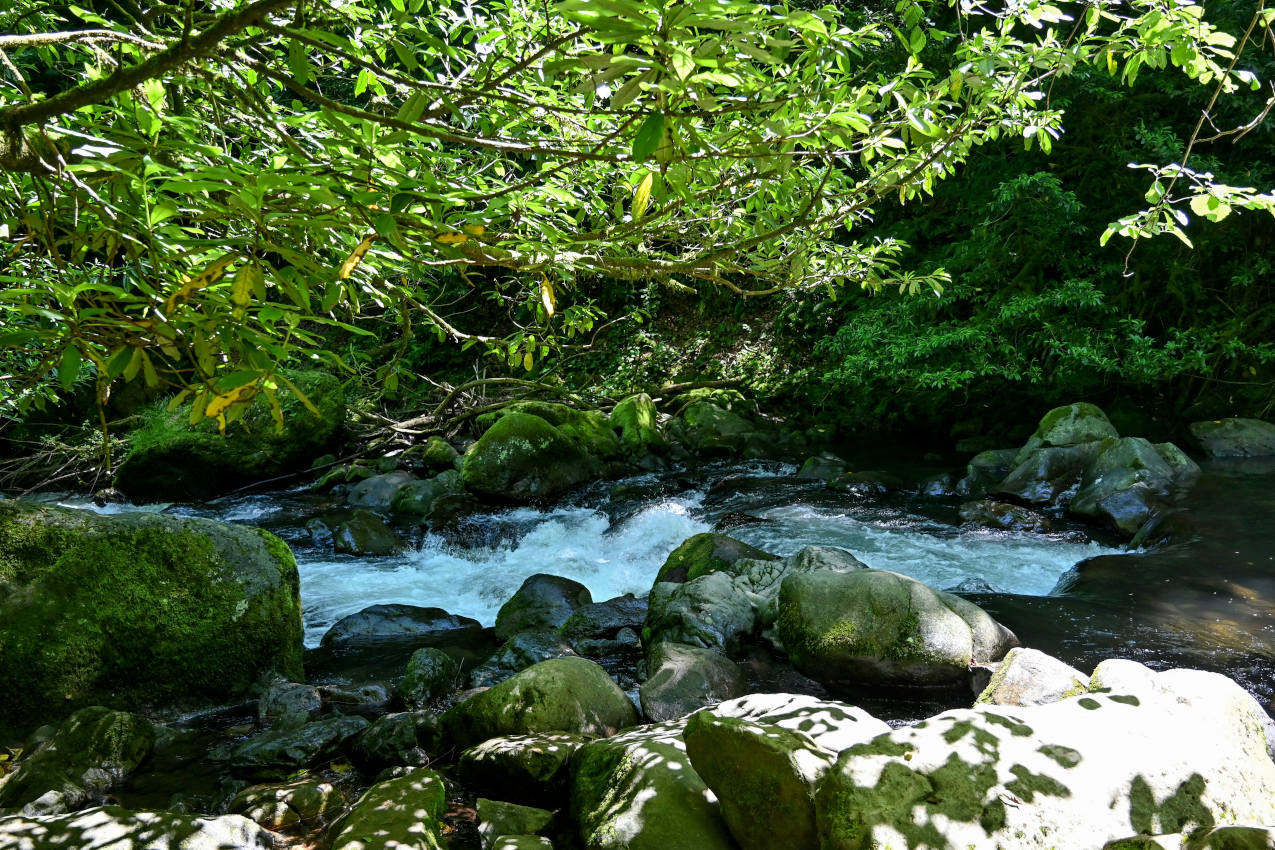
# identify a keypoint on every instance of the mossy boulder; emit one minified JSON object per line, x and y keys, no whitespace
{"x":637,"y":421}
{"x":518,"y":653}
{"x":559,"y":695}
{"x":93,"y":751}
{"x":303,"y":803}
{"x":404,"y":813}
{"x":543,"y":601}
{"x":1235,"y":437}
{"x":706,"y":553}
{"x":714,"y":431}
{"x":1069,"y":425}
{"x":137,"y":610}
{"x":169,"y":460}
{"x":682,"y":679}
{"x":114,"y":827}
{"x":430,"y":674}
{"x":590,"y":430}
{"x":1030,"y":677}
{"x":529,"y":769}
{"x":878,"y":628}
{"x":523,"y":458}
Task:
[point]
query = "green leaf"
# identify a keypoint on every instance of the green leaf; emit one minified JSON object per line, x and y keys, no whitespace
{"x":69,"y":367}
{"x":648,"y":136}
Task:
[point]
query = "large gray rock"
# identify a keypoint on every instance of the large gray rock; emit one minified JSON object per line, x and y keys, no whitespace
{"x":541,"y":602}
{"x":277,"y":753}
{"x":1184,"y":752}
{"x":112,"y":827}
{"x":91,"y":753}
{"x":1050,"y":475}
{"x":403,"y":813}
{"x":638,"y":791}
{"x":559,"y":695}
{"x":138,"y":609}
{"x":1069,"y":425}
{"x":1235,"y":437}
{"x":1126,"y":483}
{"x":524,"y":768}
{"x":682,"y":679}
{"x":409,"y":624}
{"x":522,"y":458}
{"x":873,"y":627}
{"x":1030,"y":677}
{"x":709,"y":611}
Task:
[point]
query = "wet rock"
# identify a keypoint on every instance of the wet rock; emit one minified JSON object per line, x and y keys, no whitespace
{"x":541,"y":602}
{"x":559,"y":695}
{"x":986,"y":470}
{"x":430,"y":500}
{"x":431,"y":674}
{"x":682,"y":679}
{"x":404,"y":738}
{"x":524,"y":768}
{"x":379,"y":492}
{"x":1069,"y":425}
{"x":170,"y":460}
{"x":602,"y":620}
{"x":497,"y":819}
{"x":939,"y":486}
{"x":625,"y":642}
{"x":289,"y":704}
{"x":306,"y":803}
{"x":409,"y":624}
{"x":706,"y":553}
{"x":138,"y":609}
{"x":402,"y":813}
{"x":764,"y":777}
{"x":638,"y":423}
{"x":92,"y":752}
{"x":1004,"y":516}
{"x":1049,"y":476}
{"x":278,"y":752}
{"x":522,"y":458}
{"x":709,"y":611}
{"x":355,"y":532}
{"x":971,"y":585}
{"x":365,"y":699}
{"x":873,"y":627}
{"x":518,"y":653}
{"x":824,"y":467}
{"x":638,"y":791}
{"x":1185,"y":470}
{"x":869,"y":482}
{"x":1187,"y":754}
{"x":1235,"y":437}
{"x":1126,"y":483}
{"x":1030,"y":677}
{"x":114,"y":827}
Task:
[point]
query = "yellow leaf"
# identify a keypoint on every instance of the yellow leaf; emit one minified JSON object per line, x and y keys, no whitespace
{"x":356,"y":256}
{"x":451,"y":238}
{"x":528,"y":361}
{"x":642,"y":196}
{"x":210,"y":275}
{"x":546,"y":295}
{"x":246,"y":280}
{"x":474,"y":229}
{"x":1111,"y":63}
{"x":217,"y":407}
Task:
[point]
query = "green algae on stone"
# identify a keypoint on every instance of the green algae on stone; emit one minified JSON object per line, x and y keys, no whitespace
{"x":170,"y":460}
{"x":587,"y":429}
{"x":635,"y":418}
{"x":524,"y":458}
{"x":706,"y":553}
{"x":138,"y":610}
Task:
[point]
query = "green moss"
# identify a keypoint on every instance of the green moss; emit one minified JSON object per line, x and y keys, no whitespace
{"x":706,"y":553}
{"x":139,"y":609}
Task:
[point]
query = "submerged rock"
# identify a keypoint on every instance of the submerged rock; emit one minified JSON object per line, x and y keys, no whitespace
{"x":114,"y":827}
{"x":138,"y":609}
{"x":873,"y":627}
{"x":1235,"y":437}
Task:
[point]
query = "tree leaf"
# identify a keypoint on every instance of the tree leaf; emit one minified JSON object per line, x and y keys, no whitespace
{"x":69,"y":367}
{"x":642,"y":195}
{"x":648,"y":136}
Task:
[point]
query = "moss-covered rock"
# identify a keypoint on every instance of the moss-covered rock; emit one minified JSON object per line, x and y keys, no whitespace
{"x":706,"y":553}
{"x":93,"y":751}
{"x":1030,"y":677}
{"x":1069,"y":425}
{"x":528,"y":769}
{"x":715,"y":431}
{"x":138,"y":610}
{"x":523,"y":458}
{"x":1126,"y":483}
{"x":403,"y":813}
{"x":169,"y":460}
{"x":113,"y":827}
{"x":682,"y":679}
{"x":590,"y":430}
{"x":636,"y":419}
{"x":560,"y":695}
{"x":430,"y":674}
{"x":303,"y":803}
{"x":874,"y":627}
{"x":518,"y":653}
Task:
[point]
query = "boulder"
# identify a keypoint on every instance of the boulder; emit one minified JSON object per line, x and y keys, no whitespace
{"x":404,"y":738}
{"x":403,"y":813}
{"x":518,"y":653}
{"x":497,"y":819}
{"x":541,"y":602}
{"x":362,"y":533}
{"x":138,"y":609}
{"x":400,"y":624}
{"x":277,"y":753}
{"x":638,"y":791}
{"x":558,"y":695}
{"x":1030,"y":677}
{"x":604,"y":620}
{"x":1049,"y":476}
{"x":1185,"y":470}
{"x":589,"y":430}
{"x":522,"y":458}
{"x":431,"y":674}
{"x":709,"y":611}
{"x":1069,"y":425}
{"x":707,"y":553}
{"x":91,"y":753}
{"x":985,"y":470}
{"x":831,"y":726}
{"x":764,"y":777}
{"x":824,"y":467}
{"x":379,"y":492}
{"x":304,"y":803}
{"x":438,"y":501}
{"x":636,"y":420}
{"x":169,"y":460}
{"x":525,"y":768}
{"x":682,"y":679}
{"x":1235,"y":437}
{"x":1126,"y":483}
{"x":711,"y":430}
{"x":436,"y":454}
{"x":874,"y":627}
{"x":1185,"y":755}
{"x":112,"y":827}
{"x":289,"y":703}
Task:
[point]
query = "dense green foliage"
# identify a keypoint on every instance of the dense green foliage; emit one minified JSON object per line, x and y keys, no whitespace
{"x":201,"y":194}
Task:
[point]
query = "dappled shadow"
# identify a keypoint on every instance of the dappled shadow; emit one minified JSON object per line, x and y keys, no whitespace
{"x":114,"y":828}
